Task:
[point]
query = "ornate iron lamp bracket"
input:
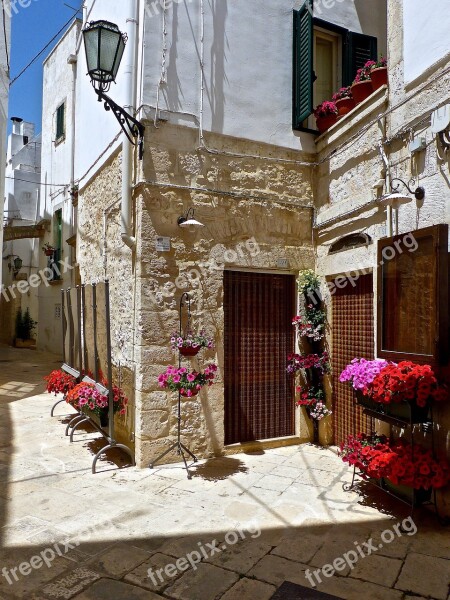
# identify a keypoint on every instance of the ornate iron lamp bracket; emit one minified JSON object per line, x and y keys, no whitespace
{"x":131,"y":127}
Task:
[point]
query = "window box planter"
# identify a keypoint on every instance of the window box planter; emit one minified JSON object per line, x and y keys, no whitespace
{"x":324,"y":123}
{"x":398,"y":410}
{"x":31,"y":344}
{"x":379,"y":77}
{"x":101,"y":420}
{"x":406,"y":493}
{"x":345,"y":105}
{"x":361,"y":90}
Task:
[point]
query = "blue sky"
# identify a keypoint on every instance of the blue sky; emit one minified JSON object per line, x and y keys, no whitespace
{"x":32,"y":28}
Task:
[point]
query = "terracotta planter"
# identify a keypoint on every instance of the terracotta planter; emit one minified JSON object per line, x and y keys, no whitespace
{"x":345,"y":105}
{"x":324,"y":123}
{"x":379,"y":77}
{"x":361,"y":91}
{"x":193,"y":393}
{"x":49,"y":252}
{"x":189,"y":351}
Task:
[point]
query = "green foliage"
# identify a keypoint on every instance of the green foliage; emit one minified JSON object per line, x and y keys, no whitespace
{"x":24,"y":324}
{"x":308,"y":281}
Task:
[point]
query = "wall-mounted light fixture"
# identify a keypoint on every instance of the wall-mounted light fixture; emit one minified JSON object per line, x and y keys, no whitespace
{"x":395,"y":198}
{"x":188,"y":220}
{"x":104,"y":44}
{"x":14,"y":265}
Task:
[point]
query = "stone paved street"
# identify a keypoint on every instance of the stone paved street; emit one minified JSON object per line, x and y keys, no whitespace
{"x":247,"y":522}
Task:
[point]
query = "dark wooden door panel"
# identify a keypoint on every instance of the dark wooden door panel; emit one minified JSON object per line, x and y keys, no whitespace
{"x":259,"y":401}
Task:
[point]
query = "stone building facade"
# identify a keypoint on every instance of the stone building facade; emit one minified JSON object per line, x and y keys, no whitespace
{"x":215,"y":97}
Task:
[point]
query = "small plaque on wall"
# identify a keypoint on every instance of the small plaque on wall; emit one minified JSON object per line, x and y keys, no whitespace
{"x":163,"y":244}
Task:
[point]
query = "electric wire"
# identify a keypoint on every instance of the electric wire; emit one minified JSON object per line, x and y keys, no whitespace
{"x":34,"y":59}
{"x":5,"y":35}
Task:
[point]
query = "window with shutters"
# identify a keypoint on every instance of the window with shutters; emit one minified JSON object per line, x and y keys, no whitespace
{"x":325,"y":58}
{"x":61,"y":122}
{"x":413,"y":296}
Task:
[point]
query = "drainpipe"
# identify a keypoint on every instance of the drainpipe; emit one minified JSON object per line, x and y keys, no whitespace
{"x":129,"y":76}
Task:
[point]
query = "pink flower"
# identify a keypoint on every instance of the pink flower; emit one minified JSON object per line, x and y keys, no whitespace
{"x":191,"y":377}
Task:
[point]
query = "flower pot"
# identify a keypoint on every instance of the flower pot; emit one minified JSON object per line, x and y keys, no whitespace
{"x":345,"y":105}
{"x":401,"y":410}
{"x":379,"y":77}
{"x":324,"y":123}
{"x":361,"y":91}
{"x":189,"y":351}
{"x":30,"y":344}
{"x":193,"y":393}
{"x":101,"y":420}
{"x":49,"y":252}
{"x":416,"y":497}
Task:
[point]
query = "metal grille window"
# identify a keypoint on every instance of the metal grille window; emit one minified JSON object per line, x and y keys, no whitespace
{"x":353,"y":337}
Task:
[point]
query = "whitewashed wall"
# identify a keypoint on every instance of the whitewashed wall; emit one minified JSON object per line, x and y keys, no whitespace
{"x":247,"y":66}
{"x":425,"y":35}
{"x":58,"y":85}
{"x":4,"y":92}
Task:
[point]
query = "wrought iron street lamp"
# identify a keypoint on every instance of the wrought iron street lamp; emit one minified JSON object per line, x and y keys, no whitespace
{"x":104,"y":44}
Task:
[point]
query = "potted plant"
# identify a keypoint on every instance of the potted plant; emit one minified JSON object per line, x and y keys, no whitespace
{"x":187,"y":383}
{"x":344,"y":101}
{"x":48,"y":249}
{"x":59,"y":382}
{"x":87,"y":399}
{"x":190,"y":344}
{"x":362,"y":85}
{"x":379,"y":73}
{"x":326,"y":115}
{"x":24,"y":327}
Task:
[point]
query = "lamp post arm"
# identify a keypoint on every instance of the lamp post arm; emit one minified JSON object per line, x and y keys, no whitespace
{"x":131,"y":127}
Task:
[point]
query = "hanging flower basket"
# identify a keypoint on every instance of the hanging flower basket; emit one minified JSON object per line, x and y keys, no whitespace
{"x":187,"y":383}
{"x":189,"y":393}
{"x":189,"y":350}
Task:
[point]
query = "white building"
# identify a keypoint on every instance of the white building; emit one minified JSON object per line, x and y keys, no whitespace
{"x":4,"y":92}
{"x":21,"y":210}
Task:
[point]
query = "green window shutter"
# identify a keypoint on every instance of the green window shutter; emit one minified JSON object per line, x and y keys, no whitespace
{"x":358,"y":49}
{"x":60,"y":118}
{"x":303,"y":64}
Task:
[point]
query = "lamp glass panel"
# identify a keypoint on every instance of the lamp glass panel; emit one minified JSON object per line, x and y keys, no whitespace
{"x":109,"y":43}
{"x":91,"y":48}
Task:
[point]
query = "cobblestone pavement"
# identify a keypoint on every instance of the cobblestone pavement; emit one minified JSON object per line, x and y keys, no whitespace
{"x":242,"y":526}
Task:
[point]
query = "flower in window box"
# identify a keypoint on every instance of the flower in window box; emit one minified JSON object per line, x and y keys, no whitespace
{"x":344,"y":100}
{"x":326,"y":115}
{"x":379,"y":73}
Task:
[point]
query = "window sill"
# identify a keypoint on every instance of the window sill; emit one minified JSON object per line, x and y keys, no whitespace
{"x":354,"y":119}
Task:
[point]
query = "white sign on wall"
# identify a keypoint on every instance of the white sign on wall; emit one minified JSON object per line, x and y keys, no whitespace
{"x":163,"y":244}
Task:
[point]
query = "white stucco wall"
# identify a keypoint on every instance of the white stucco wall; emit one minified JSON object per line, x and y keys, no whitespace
{"x":4,"y":91}
{"x":247,"y":66}
{"x":425,"y":35}
{"x":57,"y":161}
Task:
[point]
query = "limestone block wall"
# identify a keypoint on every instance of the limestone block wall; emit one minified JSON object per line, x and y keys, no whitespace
{"x":255,"y":212}
{"x":101,"y":254}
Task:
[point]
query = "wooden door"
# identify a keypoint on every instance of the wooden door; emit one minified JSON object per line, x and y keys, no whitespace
{"x":352,"y":337}
{"x":259,"y":394}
